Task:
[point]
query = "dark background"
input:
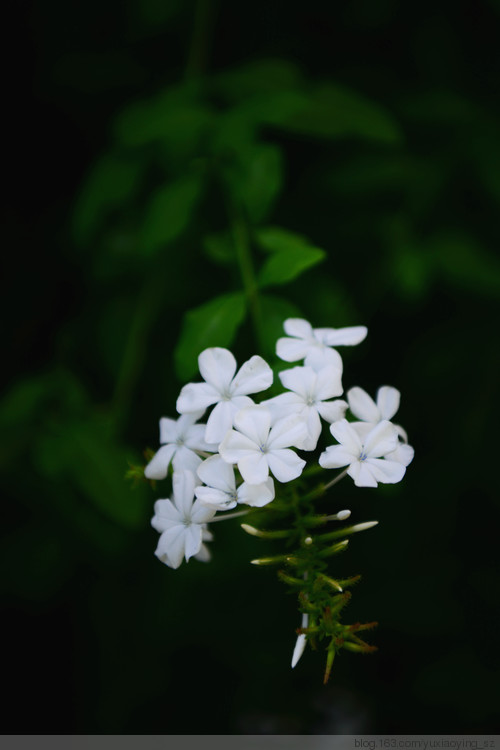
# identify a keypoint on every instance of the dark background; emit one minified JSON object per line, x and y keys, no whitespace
{"x":101,"y":638}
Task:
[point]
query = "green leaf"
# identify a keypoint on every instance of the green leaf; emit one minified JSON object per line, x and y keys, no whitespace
{"x":169,"y":213}
{"x":220,"y":248}
{"x":213,"y":324}
{"x":290,"y":255}
{"x":255,"y":179}
{"x":112,"y":181}
{"x":82,"y":453}
{"x":258,"y":77}
{"x":335,"y":112}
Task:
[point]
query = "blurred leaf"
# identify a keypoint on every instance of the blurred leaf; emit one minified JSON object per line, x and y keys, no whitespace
{"x":335,"y":112}
{"x":258,"y":77}
{"x":112,"y":181}
{"x":212,"y":324}
{"x":83,"y":453}
{"x":256,"y":179}
{"x":169,"y":213}
{"x":173,"y":118}
{"x":466,"y":264}
{"x":275,"y":311}
{"x":291,"y":255}
{"x":220,"y":248}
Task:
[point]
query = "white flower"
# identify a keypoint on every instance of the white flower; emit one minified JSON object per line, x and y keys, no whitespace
{"x":314,"y":344}
{"x":370,"y":412}
{"x":225,"y":389}
{"x":221,"y":492}
{"x":181,"y":523}
{"x":309,"y":391}
{"x":364,"y":456}
{"x":257,"y":447}
{"x":179,"y":440}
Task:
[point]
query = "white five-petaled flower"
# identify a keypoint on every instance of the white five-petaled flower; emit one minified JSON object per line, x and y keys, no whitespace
{"x":221,"y":492}
{"x":307,"y":397}
{"x":179,"y":439}
{"x":370,"y":413}
{"x":229,"y":392}
{"x":314,"y":344}
{"x":365,"y":457}
{"x":181,"y":523}
{"x":258,"y":448}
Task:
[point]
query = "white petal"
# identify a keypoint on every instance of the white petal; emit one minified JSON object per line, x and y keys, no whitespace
{"x":299,"y":649}
{"x":362,"y":405}
{"x":313,"y":424}
{"x":184,"y":483}
{"x":217,"y":367}
{"x":341,"y":336}
{"x":301,"y":380}
{"x":254,"y":376}
{"x":256,"y":495}
{"x":328,"y":383}
{"x":332,"y":411}
{"x":401,"y":433}
{"x":362,"y":474}
{"x":285,"y":464}
{"x":195,"y":397}
{"x":403,"y":454}
{"x":298,"y":327}
{"x":166,"y":515}
{"x":388,"y":472}
{"x":200,"y":514}
{"x":157,"y":468}
{"x":286,"y":432}
{"x":292,"y":349}
{"x":254,"y":468}
{"x":347,"y":436}
{"x":219,"y":422}
{"x":388,"y":401}
{"x":171,"y":547}
{"x":215,"y":472}
{"x":254,"y":422}
{"x":217,"y":499}
{"x":192,"y":541}
{"x":283,"y":405}
{"x":236,"y":446}
{"x":185,"y":459}
{"x":335,"y":456}
{"x":194,"y":438}
{"x":382,"y":439}
{"x":204,"y":555}
{"x":319,"y":357}
{"x":169,"y":430}
{"x":363,"y":428}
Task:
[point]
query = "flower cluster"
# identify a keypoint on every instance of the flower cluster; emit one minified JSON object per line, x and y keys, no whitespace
{"x":235,"y":456}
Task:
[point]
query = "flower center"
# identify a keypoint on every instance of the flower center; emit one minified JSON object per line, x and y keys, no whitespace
{"x":263,"y":448}
{"x":363,"y":456}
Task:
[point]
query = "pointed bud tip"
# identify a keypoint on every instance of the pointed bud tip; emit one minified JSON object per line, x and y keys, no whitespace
{"x":364,"y":526}
{"x":249,"y":529}
{"x":343,"y":514}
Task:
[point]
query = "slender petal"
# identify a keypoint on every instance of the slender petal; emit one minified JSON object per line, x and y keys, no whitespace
{"x":166,"y":515}
{"x":157,"y":468}
{"x":292,"y":349}
{"x":328,"y":383}
{"x":184,"y":483}
{"x":254,"y":422}
{"x":192,"y":541}
{"x":196,"y":397}
{"x":386,"y":471}
{"x":319,"y":357}
{"x":286,"y":432}
{"x":254,"y":376}
{"x":388,"y":401}
{"x":341,"y":336}
{"x":204,"y":555}
{"x":347,"y":435}
{"x":284,"y":405}
{"x":194,"y":438}
{"x":335,"y":456}
{"x":403,"y":454}
{"x":313,"y":424}
{"x":217,"y":367}
{"x":200,"y":514}
{"x":301,"y":380}
{"x":219,"y":422}
{"x":217,"y":499}
{"x":254,"y":467}
{"x":362,"y":405}
{"x":298,"y":327}
{"x":184,"y":458}
{"x":170,"y":549}
{"x":285,"y":464}
{"x":169,"y":429}
{"x":382,"y":439}
{"x":236,"y":446}
{"x":256,"y":495}
{"x":362,"y":474}
{"x":332,"y":411}
{"x":215,"y":472}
